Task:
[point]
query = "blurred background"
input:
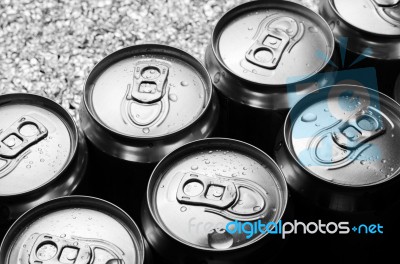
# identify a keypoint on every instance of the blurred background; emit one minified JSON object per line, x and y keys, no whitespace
{"x":48,"y":47}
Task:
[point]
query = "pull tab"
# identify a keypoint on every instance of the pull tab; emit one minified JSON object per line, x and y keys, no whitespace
{"x":20,"y":136}
{"x":384,"y":3}
{"x":358,"y":129}
{"x":275,"y":35}
{"x":49,"y":249}
{"x":198,"y":189}
{"x":267,"y":51}
{"x":236,"y":199}
{"x":388,"y":10}
{"x":149,"y":81}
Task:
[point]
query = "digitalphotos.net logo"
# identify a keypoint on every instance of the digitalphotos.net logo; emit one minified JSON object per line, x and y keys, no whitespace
{"x":283,"y":229}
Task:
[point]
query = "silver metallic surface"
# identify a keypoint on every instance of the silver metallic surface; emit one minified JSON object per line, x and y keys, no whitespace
{"x":278,"y":44}
{"x":160,"y":98}
{"x":339,"y":147}
{"x":74,"y":229}
{"x":43,"y":154}
{"x":374,"y":30}
{"x":212,"y":182}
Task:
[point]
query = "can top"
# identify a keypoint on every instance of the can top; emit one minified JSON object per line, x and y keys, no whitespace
{"x":272,"y":43}
{"x":210,"y":183}
{"x":380,"y":17}
{"x":76,"y":230}
{"x":38,"y":139}
{"x":346,"y":135}
{"x":147,"y":91}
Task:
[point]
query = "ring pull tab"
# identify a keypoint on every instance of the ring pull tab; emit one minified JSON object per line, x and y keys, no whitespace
{"x":236,"y":199}
{"x":267,"y":51}
{"x":49,"y":249}
{"x":361,"y":127}
{"x":197,"y":189}
{"x":149,"y":82}
{"x":146,"y":101}
{"x":388,"y":10}
{"x":275,"y":35}
{"x":22,"y":134}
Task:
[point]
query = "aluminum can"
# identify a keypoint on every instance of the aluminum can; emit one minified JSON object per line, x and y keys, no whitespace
{"x":196,"y":192}
{"x":74,"y":229}
{"x":339,"y":153}
{"x":339,"y":148}
{"x":369,"y":32}
{"x":43,"y":154}
{"x":256,"y":50}
{"x":139,"y":104}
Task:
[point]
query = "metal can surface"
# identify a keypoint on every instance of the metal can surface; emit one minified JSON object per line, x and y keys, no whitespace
{"x":43,"y":154}
{"x":140,"y":103}
{"x":75,"y":229}
{"x":256,"y":50}
{"x":338,"y":148}
{"x":196,"y":192}
{"x":369,"y":31}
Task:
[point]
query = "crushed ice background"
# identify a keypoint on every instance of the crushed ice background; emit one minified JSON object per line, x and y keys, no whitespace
{"x":48,"y":47}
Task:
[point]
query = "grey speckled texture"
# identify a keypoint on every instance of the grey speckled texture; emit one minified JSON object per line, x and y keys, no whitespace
{"x":48,"y":47}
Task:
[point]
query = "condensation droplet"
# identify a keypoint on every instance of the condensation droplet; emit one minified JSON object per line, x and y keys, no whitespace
{"x":173,"y":97}
{"x":146,"y":130}
{"x":309,"y":117}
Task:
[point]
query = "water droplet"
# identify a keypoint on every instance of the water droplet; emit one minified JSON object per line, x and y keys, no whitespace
{"x":250,"y":28}
{"x":28,"y":166}
{"x":244,"y":168}
{"x":363,"y":162}
{"x":332,"y":25}
{"x":234,"y":174}
{"x":194,"y":167}
{"x":384,"y":161}
{"x":254,"y":71}
{"x":161,"y":186}
{"x":220,"y":240}
{"x":183,"y":209}
{"x":317,"y":125}
{"x":183,"y":83}
{"x":313,"y":29}
{"x":243,"y":173}
{"x":217,"y":77}
{"x":59,"y":145}
{"x":146,"y":130}
{"x":309,"y":117}
{"x":210,"y":152}
{"x":274,"y":209}
{"x":256,"y":208}
{"x":326,"y":110}
{"x":173,"y":97}
{"x":63,"y":235}
{"x":207,"y":162}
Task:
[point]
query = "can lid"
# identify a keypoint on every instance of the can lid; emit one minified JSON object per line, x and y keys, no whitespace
{"x":147,"y":91}
{"x":76,"y":230}
{"x":273,"y":43}
{"x":346,"y":135}
{"x":209,"y":184}
{"x":380,"y":17}
{"x":38,"y":139}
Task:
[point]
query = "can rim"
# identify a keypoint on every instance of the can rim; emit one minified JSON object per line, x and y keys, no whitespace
{"x":78,"y":200}
{"x":286,"y":129}
{"x":150,"y":46}
{"x":332,"y":6}
{"x":63,"y":114}
{"x":253,"y":5}
{"x":284,"y":190}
